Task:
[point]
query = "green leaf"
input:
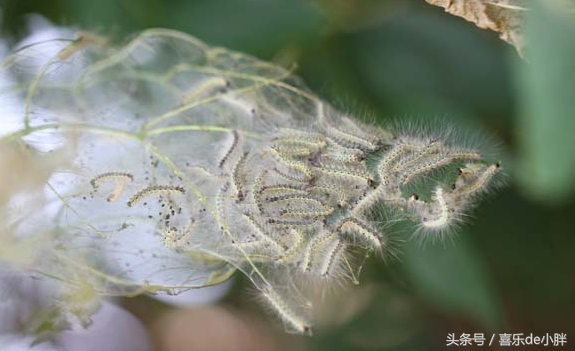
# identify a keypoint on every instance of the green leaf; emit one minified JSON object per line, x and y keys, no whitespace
{"x":260,"y":27}
{"x":454,"y":279}
{"x":546,"y":84}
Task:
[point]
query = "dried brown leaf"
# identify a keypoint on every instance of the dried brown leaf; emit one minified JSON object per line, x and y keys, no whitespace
{"x":503,"y":16}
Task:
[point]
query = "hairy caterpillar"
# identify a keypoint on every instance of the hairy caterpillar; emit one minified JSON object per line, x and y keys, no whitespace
{"x":116,"y":176}
{"x":154,"y":189}
{"x":120,"y":178}
{"x":284,"y":187}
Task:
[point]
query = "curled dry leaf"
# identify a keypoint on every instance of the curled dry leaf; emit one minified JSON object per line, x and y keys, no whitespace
{"x":503,"y":16}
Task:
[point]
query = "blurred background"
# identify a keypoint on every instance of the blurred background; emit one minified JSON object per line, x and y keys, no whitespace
{"x":510,"y":270}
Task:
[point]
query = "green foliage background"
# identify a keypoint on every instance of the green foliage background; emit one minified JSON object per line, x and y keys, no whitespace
{"x":512,"y":269}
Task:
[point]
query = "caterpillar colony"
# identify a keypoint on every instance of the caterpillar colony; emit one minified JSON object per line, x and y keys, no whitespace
{"x":188,"y":162}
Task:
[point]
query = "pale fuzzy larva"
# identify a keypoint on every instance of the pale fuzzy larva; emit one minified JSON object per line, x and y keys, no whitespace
{"x":152,"y":190}
{"x":263,"y":175}
{"x":119,"y":178}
